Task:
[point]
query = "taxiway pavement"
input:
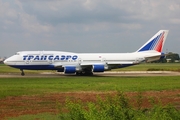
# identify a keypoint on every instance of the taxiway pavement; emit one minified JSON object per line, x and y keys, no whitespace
{"x":122,"y":73}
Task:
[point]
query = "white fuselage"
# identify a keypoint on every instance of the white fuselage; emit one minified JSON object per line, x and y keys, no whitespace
{"x":55,"y":60}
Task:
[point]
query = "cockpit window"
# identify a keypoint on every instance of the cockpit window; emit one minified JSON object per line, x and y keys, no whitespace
{"x":17,"y":53}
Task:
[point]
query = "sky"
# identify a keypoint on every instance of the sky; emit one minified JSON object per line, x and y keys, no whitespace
{"x":86,"y":26}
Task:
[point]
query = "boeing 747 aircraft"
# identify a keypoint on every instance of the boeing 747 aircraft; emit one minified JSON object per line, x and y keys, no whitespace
{"x":88,"y":63}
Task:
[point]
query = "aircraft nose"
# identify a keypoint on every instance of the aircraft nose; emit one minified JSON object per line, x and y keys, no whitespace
{"x":6,"y":62}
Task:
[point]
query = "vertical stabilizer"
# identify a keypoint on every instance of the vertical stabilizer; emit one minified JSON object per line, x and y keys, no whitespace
{"x":156,"y":42}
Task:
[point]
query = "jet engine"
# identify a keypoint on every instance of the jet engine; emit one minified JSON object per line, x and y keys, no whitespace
{"x":162,"y":56}
{"x":69,"y":69}
{"x":98,"y":68}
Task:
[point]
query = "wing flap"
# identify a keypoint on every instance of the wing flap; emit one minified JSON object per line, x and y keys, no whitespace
{"x":58,"y":66}
{"x":120,"y":63}
{"x":107,"y":63}
{"x":91,"y":63}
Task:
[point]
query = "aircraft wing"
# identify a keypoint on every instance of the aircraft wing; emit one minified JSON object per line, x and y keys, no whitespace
{"x":121,"y":63}
{"x":84,"y":64}
{"x":58,"y":66}
{"x":108,"y":63}
{"x":90,"y":63}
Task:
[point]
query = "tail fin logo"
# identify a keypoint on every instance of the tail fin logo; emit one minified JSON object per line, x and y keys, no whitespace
{"x":155,"y":44}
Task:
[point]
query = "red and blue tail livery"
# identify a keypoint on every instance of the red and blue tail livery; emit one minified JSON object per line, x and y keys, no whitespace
{"x":156,"y":42}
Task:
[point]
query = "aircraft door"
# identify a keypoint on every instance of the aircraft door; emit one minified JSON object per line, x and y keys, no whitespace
{"x":79,"y":61}
{"x":50,"y":59}
{"x":103,"y":60}
{"x":28,"y":60}
{"x":106,"y":67}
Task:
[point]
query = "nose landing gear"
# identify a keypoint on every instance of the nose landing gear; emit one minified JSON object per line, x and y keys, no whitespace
{"x":22,"y":72}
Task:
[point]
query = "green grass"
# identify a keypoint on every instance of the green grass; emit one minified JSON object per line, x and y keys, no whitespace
{"x":6,"y":69}
{"x":153,"y":66}
{"x":38,"y":86}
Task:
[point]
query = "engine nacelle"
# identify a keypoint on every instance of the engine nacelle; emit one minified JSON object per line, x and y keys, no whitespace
{"x":162,"y":56}
{"x":98,"y":68}
{"x":69,"y":69}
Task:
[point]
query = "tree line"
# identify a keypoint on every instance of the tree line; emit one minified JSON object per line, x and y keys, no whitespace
{"x":170,"y":58}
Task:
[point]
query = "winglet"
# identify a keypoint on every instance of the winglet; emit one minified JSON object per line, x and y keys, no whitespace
{"x":156,"y":42}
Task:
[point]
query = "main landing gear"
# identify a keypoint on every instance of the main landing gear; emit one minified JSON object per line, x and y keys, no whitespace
{"x":87,"y":73}
{"x":22,"y":72}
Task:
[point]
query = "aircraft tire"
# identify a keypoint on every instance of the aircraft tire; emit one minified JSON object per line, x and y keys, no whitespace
{"x":88,"y":73}
{"x":22,"y":73}
{"x":79,"y":73}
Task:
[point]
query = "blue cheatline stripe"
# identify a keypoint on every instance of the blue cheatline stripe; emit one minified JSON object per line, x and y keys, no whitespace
{"x":36,"y":67}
